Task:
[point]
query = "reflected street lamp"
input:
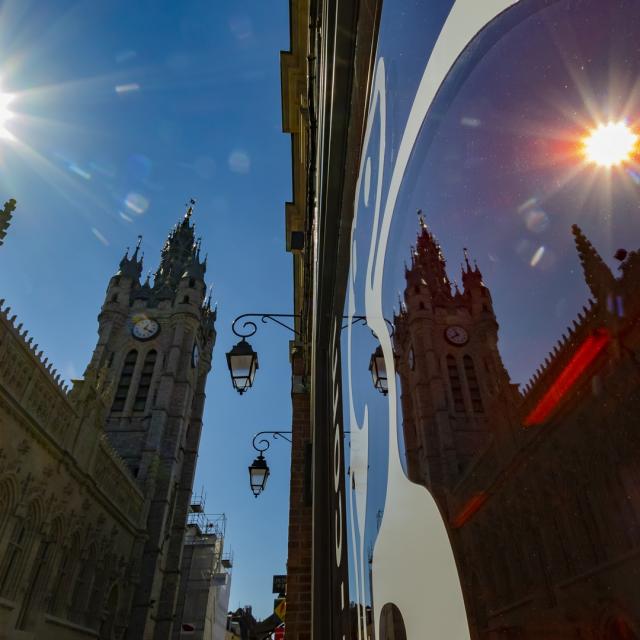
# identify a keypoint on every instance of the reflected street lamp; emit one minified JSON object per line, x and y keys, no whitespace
{"x":378,"y":370}
{"x":242,"y":361}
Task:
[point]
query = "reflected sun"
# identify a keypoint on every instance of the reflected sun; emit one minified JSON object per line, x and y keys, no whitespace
{"x":610,"y":144}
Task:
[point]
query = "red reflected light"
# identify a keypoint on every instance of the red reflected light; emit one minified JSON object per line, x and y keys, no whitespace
{"x":587,"y":352}
{"x":473,"y":505}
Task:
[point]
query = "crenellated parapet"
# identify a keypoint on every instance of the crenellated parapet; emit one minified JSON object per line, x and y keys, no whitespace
{"x":561,"y":353}
{"x":10,"y":326}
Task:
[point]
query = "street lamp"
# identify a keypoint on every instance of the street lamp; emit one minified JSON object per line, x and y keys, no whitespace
{"x":259,"y":469}
{"x":378,"y":370}
{"x":242,"y":361}
{"x":258,"y":475}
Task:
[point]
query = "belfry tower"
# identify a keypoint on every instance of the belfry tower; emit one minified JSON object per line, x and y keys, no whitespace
{"x":157,"y":342}
{"x":449,"y":365}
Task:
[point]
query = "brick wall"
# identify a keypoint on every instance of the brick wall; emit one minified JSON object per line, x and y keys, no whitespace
{"x":298,"y":616}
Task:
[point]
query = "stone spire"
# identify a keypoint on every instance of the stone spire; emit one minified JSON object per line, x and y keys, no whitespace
{"x":597,"y":274}
{"x":180,"y":255}
{"x":5,"y":217}
{"x":429,"y":260}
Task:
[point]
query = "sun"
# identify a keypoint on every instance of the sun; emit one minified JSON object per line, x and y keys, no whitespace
{"x":5,"y":113}
{"x":610,"y":144}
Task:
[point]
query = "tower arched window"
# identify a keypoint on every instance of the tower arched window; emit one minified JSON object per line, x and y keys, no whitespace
{"x":472,"y":382}
{"x":16,"y":553}
{"x":456,"y":384}
{"x":125,"y":381}
{"x":68,"y":558}
{"x":83,"y":586}
{"x":145,"y":381}
{"x":41,"y":571}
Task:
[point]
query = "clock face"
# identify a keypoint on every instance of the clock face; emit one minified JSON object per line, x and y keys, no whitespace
{"x":145,"y":329}
{"x":412,"y":359}
{"x":195,"y":356}
{"x":456,"y":335}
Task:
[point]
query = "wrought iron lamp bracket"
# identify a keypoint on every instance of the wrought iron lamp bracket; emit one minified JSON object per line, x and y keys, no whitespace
{"x":262,"y":444}
{"x":249,"y":327}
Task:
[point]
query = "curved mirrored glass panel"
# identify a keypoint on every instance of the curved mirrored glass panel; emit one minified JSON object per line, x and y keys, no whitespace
{"x":492,"y":397}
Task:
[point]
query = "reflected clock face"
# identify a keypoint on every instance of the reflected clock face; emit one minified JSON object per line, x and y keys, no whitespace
{"x":456,"y":335}
{"x":195,"y":356}
{"x":145,"y":329}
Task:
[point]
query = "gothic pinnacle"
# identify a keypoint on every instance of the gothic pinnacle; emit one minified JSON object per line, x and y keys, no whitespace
{"x":466,"y":257}
{"x":597,"y":274}
{"x":190,"y":206}
{"x":5,"y":217}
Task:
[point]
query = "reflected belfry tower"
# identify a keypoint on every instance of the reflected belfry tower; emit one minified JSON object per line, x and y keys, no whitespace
{"x":449,"y":365}
{"x":157,"y":340}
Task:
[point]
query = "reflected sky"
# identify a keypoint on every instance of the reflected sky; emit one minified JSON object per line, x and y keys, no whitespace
{"x":499,"y":168}
{"x":510,"y":187}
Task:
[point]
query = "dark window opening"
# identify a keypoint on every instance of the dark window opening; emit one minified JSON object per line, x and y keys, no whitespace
{"x":474,"y":387}
{"x":144,"y":384}
{"x":125,"y":381}
{"x":456,"y":384}
{"x":110,"y":360}
{"x":422,"y":306}
{"x":185,"y":300}
{"x":416,"y":289}
{"x":114,"y":297}
{"x":192,"y":282}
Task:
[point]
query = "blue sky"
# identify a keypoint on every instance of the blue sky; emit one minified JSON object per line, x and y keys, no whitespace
{"x":122,"y":112}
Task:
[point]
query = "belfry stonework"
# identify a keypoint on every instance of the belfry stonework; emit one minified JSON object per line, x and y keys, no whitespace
{"x":95,"y":482}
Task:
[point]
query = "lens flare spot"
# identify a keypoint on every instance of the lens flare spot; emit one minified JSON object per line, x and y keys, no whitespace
{"x":467,"y":121}
{"x":74,"y":168}
{"x":136,"y":203}
{"x":610,"y":144}
{"x":536,"y":220}
{"x":527,"y":204}
{"x":537,"y":256}
{"x":239,"y":161}
{"x":127,"y":88}
{"x":100,"y":237}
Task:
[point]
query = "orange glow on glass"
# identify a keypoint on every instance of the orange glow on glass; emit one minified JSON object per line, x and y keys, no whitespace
{"x":473,"y":505}
{"x":587,"y":352}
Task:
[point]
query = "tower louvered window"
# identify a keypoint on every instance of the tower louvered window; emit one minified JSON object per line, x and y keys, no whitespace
{"x":456,"y":384}
{"x":145,"y":381}
{"x":474,"y":387}
{"x":125,"y":381}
